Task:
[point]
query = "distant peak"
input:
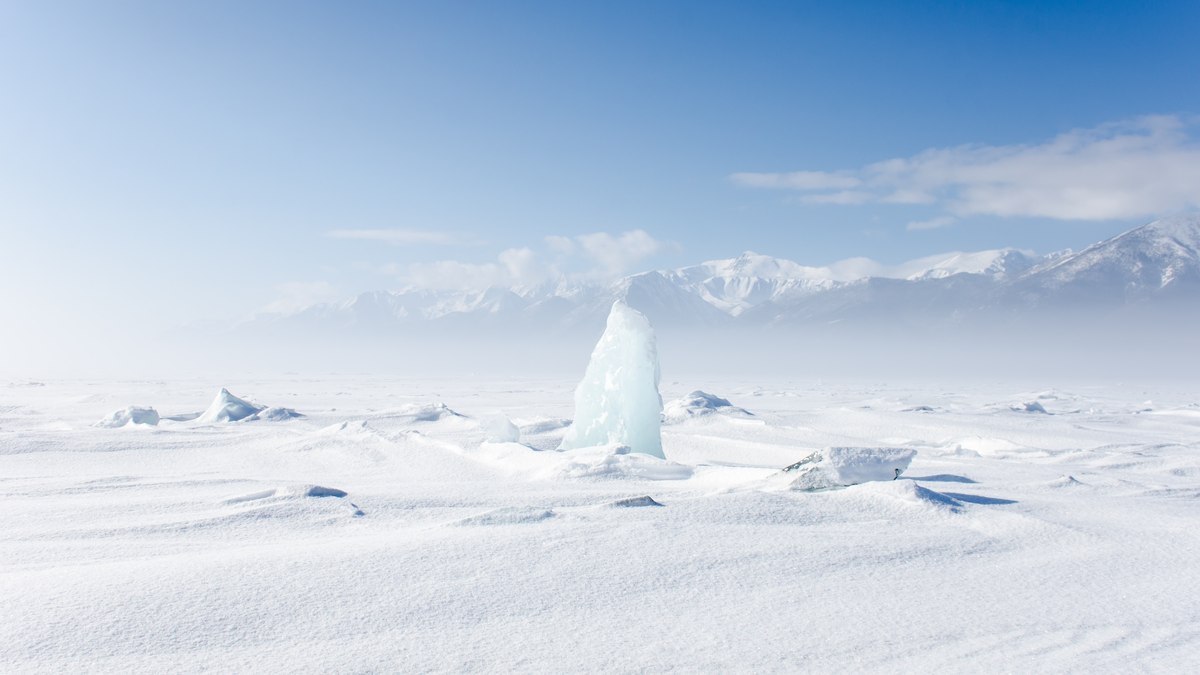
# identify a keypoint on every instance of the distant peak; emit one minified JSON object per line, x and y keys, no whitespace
{"x":1180,"y":223}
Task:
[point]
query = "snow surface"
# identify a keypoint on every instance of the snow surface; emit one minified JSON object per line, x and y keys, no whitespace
{"x":368,"y":536}
{"x":617,"y":402}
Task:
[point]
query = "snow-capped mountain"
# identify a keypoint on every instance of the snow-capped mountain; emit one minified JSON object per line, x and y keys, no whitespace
{"x":1156,"y":262}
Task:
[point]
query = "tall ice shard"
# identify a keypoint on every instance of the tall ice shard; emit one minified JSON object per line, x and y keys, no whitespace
{"x":618,"y":403}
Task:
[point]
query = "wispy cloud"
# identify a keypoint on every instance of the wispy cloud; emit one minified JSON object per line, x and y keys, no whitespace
{"x":595,"y":256}
{"x":842,"y":197}
{"x":514,"y":267}
{"x":616,"y":254}
{"x":1137,"y":168}
{"x":799,"y":180}
{"x":402,"y":237}
{"x":931,"y":224}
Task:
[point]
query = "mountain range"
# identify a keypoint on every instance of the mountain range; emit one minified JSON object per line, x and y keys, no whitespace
{"x":1152,"y":267}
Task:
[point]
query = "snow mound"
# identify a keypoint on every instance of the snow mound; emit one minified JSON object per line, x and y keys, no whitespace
{"x":840,"y":466}
{"x":983,"y":446}
{"x":349,"y":427}
{"x":289,"y":492}
{"x":700,"y":403}
{"x":292,"y":494}
{"x":633,"y":502}
{"x":511,"y":515}
{"x":617,"y":402}
{"x":500,"y":429}
{"x":424,"y":412}
{"x":229,"y":408}
{"x":315,"y":491}
{"x":617,"y":462}
{"x":130,"y":415}
{"x":1029,"y":407}
{"x":1067,"y":481}
{"x":907,"y":493}
{"x":276,"y":414}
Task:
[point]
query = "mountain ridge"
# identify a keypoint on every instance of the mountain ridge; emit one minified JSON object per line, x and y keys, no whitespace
{"x":1158,"y":261}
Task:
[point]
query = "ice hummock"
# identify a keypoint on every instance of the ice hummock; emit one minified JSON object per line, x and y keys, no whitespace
{"x":500,"y":429}
{"x":130,"y":415}
{"x":228,"y":408}
{"x":617,"y":402}
{"x":276,"y":414}
{"x":1029,"y":407}
{"x":840,"y":466}
{"x":701,"y":403}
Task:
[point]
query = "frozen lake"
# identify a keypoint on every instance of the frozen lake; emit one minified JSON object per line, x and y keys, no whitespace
{"x":379,"y":532}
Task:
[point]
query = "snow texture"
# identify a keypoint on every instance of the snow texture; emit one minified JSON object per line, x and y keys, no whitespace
{"x":618,"y":401}
{"x":1012,"y":543}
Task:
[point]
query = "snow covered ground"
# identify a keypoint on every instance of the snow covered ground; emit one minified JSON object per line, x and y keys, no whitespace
{"x":380,"y":532}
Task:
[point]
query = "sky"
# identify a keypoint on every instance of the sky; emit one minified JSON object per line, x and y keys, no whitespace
{"x":164,"y":164}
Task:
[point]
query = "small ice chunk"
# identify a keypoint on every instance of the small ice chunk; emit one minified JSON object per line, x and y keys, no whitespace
{"x":838,"y":466}
{"x":130,"y":415}
{"x":421,"y":412}
{"x":228,"y":408}
{"x":1030,"y":407}
{"x":617,"y":402}
{"x":500,"y":429}
{"x":634,"y":502}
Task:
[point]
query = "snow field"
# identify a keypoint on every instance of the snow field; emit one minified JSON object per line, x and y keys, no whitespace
{"x":382,"y":531}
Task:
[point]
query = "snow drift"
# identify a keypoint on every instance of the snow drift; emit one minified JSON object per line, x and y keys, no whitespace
{"x":700,"y":404}
{"x":130,"y":415}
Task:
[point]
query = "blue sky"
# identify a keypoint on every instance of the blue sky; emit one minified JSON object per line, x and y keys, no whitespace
{"x":169,"y":162}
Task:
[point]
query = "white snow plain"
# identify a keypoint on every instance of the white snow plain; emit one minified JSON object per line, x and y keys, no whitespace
{"x":383,"y":532}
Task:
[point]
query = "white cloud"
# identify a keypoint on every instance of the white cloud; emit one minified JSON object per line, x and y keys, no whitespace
{"x":561,"y":245}
{"x":1139,"y":168}
{"x":595,"y":256}
{"x":843,"y":197}
{"x":296,"y":295}
{"x":931,"y":224}
{"x":617,"y":254}
{"x":513,"y":267}
{"x":798,"y":180}
{"x":400,"y":237}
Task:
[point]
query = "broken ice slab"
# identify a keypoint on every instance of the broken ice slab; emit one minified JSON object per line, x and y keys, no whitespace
{"x":839,"y":466}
